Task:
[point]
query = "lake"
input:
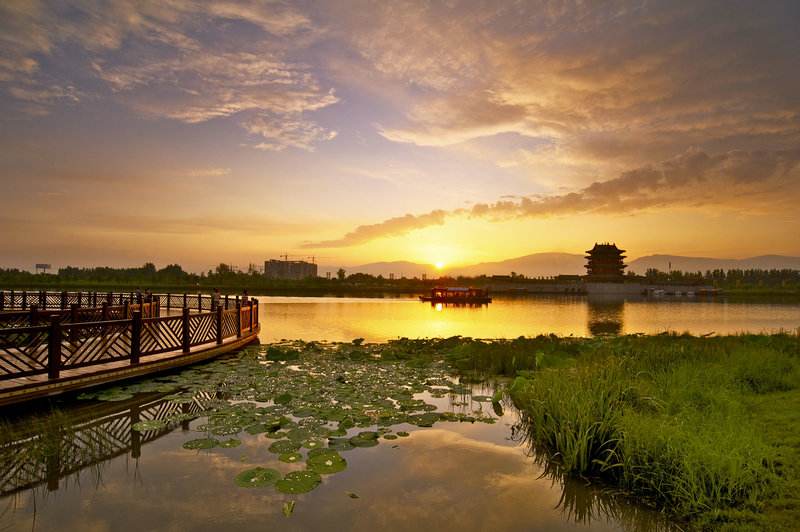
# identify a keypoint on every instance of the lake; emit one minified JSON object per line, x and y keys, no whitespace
{"x":169,"y":453}
{"x":381,"y":319}
{"x":201,"y":449}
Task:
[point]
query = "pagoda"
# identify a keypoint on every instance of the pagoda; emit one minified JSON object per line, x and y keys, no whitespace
{"x":605,"y":263}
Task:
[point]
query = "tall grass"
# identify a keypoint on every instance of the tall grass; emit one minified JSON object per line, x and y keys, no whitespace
{"x":665,"y":418}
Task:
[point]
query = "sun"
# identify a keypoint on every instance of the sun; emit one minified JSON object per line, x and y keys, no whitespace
{"x":439,"y":264}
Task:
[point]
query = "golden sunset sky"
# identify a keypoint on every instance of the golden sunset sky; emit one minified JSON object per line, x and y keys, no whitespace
{"x":454,"y":132}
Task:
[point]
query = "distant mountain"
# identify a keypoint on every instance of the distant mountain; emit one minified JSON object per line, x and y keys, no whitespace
{"x":535,"y":265}
{"x":400,"y":268}
{"x":694,"y":264}
{"x":551,"y":264}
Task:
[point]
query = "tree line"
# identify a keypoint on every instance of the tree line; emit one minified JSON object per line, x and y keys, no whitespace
{"x":225,"y":276}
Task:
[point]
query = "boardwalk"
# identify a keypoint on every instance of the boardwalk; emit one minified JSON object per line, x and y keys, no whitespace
{"x":62,"y":346}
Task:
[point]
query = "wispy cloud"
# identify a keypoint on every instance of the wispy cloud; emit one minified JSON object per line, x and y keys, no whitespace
{"x":758,"y":180}
{"x":391,"y":227}
{"x":180,"y":60}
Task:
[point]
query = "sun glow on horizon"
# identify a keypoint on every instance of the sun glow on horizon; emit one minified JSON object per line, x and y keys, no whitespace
{"x":439,"y":264}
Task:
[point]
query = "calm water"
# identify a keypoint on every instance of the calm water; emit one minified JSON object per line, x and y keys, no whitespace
{"x":342,"y":319}
{"x":451,"y":476}
{"x":464,"y":476}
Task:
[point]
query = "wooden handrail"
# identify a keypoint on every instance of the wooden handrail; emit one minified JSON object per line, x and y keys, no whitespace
{"x":76,"y":344}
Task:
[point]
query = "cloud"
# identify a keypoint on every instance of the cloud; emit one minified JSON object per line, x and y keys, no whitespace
{"x":610,"y":83}
{"x":185,"y":61}
{"x":757,"y":181}
{"x":391,"y":227}
{"x":280,"y":132}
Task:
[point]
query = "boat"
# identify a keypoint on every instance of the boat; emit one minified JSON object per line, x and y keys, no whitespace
{"x":458,"y":295}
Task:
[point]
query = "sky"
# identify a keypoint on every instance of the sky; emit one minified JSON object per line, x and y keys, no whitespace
{"x":437,"y":132}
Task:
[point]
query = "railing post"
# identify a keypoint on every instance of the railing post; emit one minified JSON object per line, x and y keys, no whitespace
{"x":238,"y":319}
{"x":43,"y":299}
{"x":94,"y":299}
{"x":2,"y":300}
{"x":184,"y":300}
{"x":185,"y":322}
{"x":54,"y":348}
{"x":11,"y":302}
{"x":199,"y":302}
{"x":110,"y":298}
{"x":34,"y":315}
{"x":226,"y":301}
{"x":80,"y":298}
{"x":251,"y":316}
{"x":24,"y":299}
{"x":169,"y":301}
{"x":219,"y":325}
{"x":63,"y":300}
{"x":136,"y":337}
{"x":126,"y":309}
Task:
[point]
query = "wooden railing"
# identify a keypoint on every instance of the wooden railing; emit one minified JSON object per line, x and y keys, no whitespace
{"x":44,"y":300}
{"x":49,"y":346}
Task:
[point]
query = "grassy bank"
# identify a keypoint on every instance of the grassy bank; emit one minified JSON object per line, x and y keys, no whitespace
{"x":707,"y":429}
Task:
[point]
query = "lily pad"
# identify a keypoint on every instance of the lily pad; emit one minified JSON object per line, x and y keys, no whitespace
{"x":230,"y":443}
{"x":327,"y":463}
{"x":482,"y":398}
{"x":201,"y":443}
{"x":365,"y":439}
{"x":298,"y":482}
{"x":258,"y":477}
{"x":284,"y":446}
{"x":290,"y":458}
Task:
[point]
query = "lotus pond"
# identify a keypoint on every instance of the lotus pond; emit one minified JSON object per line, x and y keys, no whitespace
{"x":294,"y":436}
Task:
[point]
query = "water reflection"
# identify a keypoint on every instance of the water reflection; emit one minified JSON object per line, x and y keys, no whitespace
{"x":40,"y":451}
{"x":471,"y":476}
{"x":605,"y":315}
{"x":377,"y":320}
{"x":585,"y":502}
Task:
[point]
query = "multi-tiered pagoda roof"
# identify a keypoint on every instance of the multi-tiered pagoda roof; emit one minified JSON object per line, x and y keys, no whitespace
{"x":605,"y":262}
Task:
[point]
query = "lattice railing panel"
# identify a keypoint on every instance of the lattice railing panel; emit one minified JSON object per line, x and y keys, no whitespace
{"x":162,"y":334}
{"x":23,"y":351}
{"x":228,"y":323}
{"x":202,"y":328}
{"x":93,"y":343}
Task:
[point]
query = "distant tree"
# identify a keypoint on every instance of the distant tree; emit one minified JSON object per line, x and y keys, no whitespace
{"x":340,"y":273}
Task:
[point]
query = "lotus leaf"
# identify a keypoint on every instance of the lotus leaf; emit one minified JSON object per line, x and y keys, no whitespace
{"x":257,"y":477}
{"x":327,"y":463}
{"x":299,"y":482}
{"x":284,"y":446}
{"x":201,"y":443}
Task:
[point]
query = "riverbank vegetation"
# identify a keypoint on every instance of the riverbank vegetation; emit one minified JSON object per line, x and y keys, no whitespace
{"x":706,"y":429}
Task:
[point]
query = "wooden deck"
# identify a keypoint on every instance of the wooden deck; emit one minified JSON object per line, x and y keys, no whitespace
{"x":83,"y":348}
{"x":37,"y":386}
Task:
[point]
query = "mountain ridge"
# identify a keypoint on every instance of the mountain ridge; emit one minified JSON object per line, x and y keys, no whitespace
{"x":549,"y":264}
